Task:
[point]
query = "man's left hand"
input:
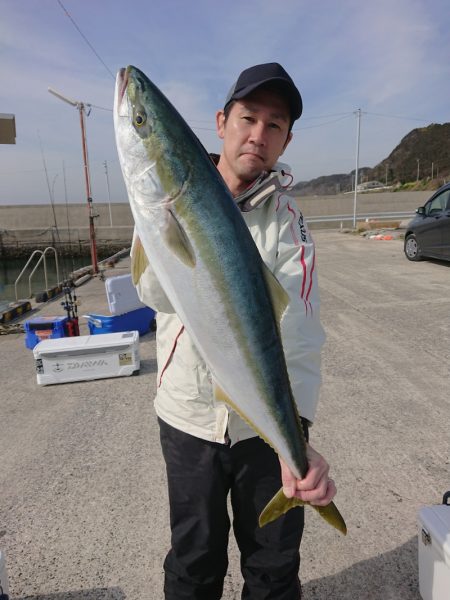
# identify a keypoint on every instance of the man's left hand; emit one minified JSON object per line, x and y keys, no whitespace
{"x":316,"y":488}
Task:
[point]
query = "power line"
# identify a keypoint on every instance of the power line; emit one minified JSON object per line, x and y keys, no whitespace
{"x":347,"y":115}
{"x":73,"y":167}
{"x":395,"y":116}
{"x":327,"y":116}
{"x":99,"y":107}
{"x":341,"y":116}
{"x":85,"y":38}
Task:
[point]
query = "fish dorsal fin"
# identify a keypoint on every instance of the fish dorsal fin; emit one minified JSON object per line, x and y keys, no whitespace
{"x":280,"y":298}
{"x":178,"y":241}
{"x":139,"y":260}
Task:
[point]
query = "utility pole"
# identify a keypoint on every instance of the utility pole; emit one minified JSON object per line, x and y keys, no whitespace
{"x":80,"y":106}
{"x":432,"y":170}
{"x":418,"y":168}
{"x":105,"y":164}
{"x":358,"y":114}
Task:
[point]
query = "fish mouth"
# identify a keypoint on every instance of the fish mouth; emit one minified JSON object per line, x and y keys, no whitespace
{"x":122,"y":79}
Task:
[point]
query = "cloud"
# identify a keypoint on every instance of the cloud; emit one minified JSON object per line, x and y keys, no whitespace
{"x":388,"y":57}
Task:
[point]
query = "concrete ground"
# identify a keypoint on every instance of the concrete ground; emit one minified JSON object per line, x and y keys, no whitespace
{"x":83,"y":509}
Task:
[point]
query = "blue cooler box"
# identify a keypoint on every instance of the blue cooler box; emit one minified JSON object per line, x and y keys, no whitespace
{"x":140,"y":320}
{"x":43,"y":328}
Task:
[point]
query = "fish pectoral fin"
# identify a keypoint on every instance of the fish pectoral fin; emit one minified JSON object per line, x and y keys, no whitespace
{"x":279,"y":296}
{"x":139,"y":260}
{"x":280,"y":504}
{"x":178,"y":241}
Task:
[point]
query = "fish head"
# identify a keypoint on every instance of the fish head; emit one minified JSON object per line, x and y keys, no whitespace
{"x":143,"y":122}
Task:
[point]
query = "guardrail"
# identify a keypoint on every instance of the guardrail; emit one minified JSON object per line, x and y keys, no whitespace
{"x":387,"y":216}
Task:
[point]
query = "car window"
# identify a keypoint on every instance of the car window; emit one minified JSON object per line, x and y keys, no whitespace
{"x":439,"y":203}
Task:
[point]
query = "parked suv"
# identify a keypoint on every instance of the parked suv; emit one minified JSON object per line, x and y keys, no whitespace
{"x":428,"y":233}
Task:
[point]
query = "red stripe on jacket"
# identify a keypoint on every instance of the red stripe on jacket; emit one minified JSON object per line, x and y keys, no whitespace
{"x":170,"y":355}
{"x":302,"y":257}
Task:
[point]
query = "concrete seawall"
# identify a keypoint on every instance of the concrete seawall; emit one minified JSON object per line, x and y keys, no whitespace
{"x":27,"y":225}
{"x":366,"y":203}
{"x":32,"y":226}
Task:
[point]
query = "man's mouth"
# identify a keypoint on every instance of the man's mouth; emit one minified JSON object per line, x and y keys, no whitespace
{"x":253,"y":155}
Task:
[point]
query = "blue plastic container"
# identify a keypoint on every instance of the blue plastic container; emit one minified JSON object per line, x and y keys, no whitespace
{"x":139,"y":320}
{"x":43,"y":328}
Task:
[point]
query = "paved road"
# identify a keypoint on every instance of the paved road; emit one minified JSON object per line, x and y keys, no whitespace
{"x":83,"y":511}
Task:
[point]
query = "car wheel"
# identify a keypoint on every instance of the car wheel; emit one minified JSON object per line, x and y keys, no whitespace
{"x":412,"y":249}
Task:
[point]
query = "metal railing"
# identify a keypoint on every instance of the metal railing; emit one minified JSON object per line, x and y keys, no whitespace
{"x":385,"y":216}
{"x":42,"y":258}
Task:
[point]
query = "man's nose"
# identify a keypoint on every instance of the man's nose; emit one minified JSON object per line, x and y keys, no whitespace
{"x":258,"y":134}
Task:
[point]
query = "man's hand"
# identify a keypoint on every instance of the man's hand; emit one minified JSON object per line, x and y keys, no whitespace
{"x":316,"y":488}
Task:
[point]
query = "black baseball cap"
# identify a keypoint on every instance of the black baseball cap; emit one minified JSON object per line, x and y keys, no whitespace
{"x":253,"y":77}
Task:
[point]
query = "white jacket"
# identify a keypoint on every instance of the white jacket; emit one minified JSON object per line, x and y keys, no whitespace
{"x":184,"y":396}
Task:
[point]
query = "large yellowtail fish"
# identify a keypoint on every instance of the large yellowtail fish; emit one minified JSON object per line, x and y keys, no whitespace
{"x":202,"y":252}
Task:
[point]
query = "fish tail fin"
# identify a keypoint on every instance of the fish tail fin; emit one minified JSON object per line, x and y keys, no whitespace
{"x":280,"y":504}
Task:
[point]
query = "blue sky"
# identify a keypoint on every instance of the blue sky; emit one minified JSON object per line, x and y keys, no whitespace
{"x":386,"y":57}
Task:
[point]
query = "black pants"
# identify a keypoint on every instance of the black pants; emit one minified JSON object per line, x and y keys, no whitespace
{"x":200,"y":476}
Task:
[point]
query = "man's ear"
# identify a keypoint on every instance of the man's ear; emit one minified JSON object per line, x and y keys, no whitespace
{"x":220,"y":124}
{"x":288,"y":139}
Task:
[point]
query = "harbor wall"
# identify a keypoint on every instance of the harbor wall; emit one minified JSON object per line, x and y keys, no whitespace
{"x":26,"y":226}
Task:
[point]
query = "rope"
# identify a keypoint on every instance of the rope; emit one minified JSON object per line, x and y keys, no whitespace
{"x":15,"y":328}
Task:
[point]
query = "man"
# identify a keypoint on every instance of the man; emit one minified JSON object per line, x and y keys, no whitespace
{"x":209,"y":451}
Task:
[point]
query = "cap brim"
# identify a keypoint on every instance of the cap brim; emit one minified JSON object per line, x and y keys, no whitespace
{"x":295,"y":99}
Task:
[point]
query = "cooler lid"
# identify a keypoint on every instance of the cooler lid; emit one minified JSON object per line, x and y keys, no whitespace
{"x":39,"y":320}
{"x":121,"y":294}
{"x":86,"y":342}
{"x":436,"y":520}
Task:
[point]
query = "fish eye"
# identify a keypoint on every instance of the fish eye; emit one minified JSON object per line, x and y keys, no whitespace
{"x":140,"y":119}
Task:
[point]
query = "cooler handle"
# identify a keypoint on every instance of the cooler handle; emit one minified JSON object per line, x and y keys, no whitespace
{"x":95,"y":322}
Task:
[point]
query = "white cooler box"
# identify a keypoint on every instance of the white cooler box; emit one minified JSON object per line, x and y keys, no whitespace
{"x":122,"y":295}
{"x":434,"y":551}
{"x":87,"y":357}
{"x":4,"y":590}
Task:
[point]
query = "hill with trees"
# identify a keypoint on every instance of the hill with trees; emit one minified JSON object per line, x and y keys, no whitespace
{"x":420,"y":161}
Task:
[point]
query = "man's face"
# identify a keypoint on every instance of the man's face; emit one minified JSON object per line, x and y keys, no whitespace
{"x":254,"y":136}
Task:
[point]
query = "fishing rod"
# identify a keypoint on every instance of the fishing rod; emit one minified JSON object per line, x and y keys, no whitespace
{"x":70,"y":305}
{"x":67,"y":216}
{"x":70,"y":302}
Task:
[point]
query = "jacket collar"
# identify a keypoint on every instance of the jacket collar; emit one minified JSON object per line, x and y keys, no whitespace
{"x":261,"y":189}
{"x":258,"y":192}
